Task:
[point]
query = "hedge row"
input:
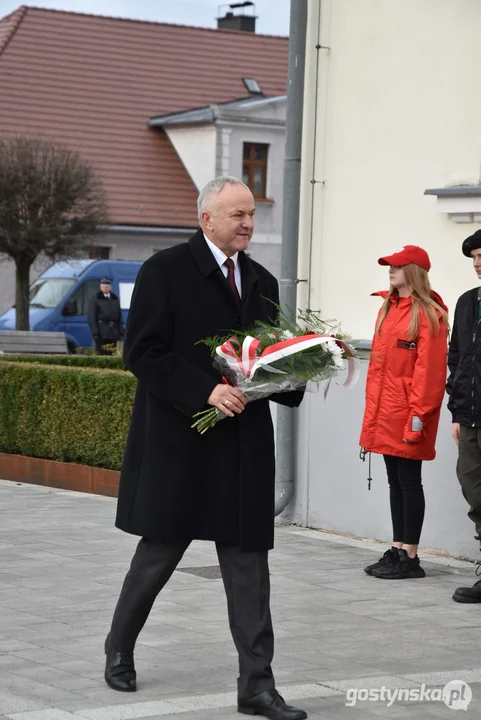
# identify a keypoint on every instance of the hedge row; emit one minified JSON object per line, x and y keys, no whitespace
{"x":78,"y":415}
{"x":114,"y":362}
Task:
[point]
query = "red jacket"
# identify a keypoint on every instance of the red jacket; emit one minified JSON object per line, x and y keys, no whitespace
{"x":405,"y":379}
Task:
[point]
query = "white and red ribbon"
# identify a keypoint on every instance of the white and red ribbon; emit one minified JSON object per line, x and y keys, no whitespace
{"x":240,"y":358}
{"x":246,"y":360}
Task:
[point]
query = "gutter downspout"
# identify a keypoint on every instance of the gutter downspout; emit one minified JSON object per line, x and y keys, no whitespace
{"x":285,"y":459}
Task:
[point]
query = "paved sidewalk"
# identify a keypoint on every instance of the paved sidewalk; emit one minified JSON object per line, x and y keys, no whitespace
{"x":337,"y":630}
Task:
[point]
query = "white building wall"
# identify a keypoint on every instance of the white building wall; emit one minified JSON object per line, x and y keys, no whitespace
{"x":265,"y":246}
{"x":140,"y":245}
{"x":209,"y":151}
{"x":398,"y":111}
{"x":223,"y":150}
{"x":196,"y":147}
{"x":395,"y":110}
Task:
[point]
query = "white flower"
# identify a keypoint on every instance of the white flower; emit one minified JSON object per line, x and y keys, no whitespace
{"x":336,"y":353}
{"x":333,"y":347}
{"x":338,"y":362}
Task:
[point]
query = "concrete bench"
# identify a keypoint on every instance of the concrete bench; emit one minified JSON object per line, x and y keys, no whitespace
{"x":38,"y":343}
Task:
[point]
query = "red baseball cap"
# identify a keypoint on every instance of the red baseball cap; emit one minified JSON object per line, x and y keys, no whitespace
{"x":406,"y":255}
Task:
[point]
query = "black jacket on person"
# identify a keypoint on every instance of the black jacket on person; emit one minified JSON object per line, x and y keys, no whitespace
{"x":464,"y":360}
{"x":177,"y":485}
{"x":105,"y":317}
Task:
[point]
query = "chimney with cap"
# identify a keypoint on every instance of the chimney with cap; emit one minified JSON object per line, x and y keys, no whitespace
{"x":237,"y":21}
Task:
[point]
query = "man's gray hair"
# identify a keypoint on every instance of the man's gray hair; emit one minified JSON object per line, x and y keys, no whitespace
{"x":213,"y":188}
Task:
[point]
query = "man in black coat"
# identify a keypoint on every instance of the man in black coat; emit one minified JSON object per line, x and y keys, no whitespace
{"x":464,"y":389}
{"x":105,"y":318}
{"x":177,"y":485}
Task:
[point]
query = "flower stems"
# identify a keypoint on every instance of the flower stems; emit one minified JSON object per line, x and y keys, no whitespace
{"x":206,"y":419}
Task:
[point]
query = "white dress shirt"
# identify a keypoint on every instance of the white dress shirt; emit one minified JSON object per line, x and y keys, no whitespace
{"x":221,"y":258}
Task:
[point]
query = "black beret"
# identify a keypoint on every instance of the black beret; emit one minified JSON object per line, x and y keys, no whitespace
{"x":473,"y":242}
{"x":106,"y":281}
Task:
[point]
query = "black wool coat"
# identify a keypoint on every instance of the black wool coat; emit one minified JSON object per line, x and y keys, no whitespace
{"x":178,"y":485}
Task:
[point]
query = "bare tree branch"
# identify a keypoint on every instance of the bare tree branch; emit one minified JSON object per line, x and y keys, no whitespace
{"x":51,"y":203}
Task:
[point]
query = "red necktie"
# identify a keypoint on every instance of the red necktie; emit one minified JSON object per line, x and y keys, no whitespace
{"x":229,"y":263}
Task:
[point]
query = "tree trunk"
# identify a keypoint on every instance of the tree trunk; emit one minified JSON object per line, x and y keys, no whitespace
{"x":22,"y":284}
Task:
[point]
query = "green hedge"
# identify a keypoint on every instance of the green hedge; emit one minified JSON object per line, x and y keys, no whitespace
{"x":114,"y":362}
{"x":78,"y":415}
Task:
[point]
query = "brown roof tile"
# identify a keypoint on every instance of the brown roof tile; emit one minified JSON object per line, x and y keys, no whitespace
{"x":8,"y":25}
{"x":94,"y":82}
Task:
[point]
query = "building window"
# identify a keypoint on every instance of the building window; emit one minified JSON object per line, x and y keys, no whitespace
{"x":99,"y":253}
{"x":254,"y":168}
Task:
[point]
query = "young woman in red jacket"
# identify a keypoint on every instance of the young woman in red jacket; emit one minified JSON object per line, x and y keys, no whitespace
{"x":404,"y":393}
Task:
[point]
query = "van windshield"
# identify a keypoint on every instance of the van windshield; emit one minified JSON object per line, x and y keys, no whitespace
{"x":48,"y":293}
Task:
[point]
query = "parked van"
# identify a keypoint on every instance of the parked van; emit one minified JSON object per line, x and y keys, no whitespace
{"x":60,"y":296}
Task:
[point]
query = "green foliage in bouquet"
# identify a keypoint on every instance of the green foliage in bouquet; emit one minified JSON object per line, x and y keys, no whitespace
{"x":285,"y":373}
{"x":309,"y":321}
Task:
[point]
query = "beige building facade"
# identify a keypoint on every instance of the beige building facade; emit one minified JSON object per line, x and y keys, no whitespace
{"x":392,"y":109}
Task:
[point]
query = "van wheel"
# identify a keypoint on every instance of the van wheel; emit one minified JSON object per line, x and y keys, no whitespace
{"x":71,"y":349}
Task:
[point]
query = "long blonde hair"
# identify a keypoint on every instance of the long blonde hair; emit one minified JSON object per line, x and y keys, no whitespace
{"x":417,"y":279}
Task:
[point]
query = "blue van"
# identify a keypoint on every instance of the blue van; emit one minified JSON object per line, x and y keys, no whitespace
{"x":60,"y":296}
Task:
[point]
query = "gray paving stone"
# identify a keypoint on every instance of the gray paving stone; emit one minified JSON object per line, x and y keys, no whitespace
{"x":223,"y":714}
{"x":48,"y":714}
{"x":60,"y":581}
{"x":132,"y":711}
{"x":13,"y":703}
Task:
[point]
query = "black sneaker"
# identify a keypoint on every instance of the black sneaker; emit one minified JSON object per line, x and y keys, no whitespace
{"x":406,"y":568}
{"x":390,"y":557}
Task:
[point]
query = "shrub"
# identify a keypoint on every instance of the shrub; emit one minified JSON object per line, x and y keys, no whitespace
{"x":69,"y":414}
{"x":96,"y":361}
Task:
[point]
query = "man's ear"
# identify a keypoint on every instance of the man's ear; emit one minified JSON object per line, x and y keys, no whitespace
{"x":206,"y":219}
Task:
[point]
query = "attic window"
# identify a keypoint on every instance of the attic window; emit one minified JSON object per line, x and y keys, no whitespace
{"x":253,"y":86}
{"x":254,"y":168}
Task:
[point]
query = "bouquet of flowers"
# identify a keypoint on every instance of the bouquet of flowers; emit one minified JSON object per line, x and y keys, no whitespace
{"x":273,"y":359}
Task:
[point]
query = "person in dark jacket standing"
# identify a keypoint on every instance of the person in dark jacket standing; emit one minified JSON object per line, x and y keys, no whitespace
{"x":464,"y":390}
{"x":105,"y":318}
{"x":177,"y":485}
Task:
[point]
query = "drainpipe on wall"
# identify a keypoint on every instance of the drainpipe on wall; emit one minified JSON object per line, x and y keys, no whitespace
{"x":285,"y":457}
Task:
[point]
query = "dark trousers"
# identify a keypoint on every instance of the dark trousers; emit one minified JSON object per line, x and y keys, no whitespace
{"x":247,"y":587}
{"x":406,"y":497}
{"x":469,"y":471}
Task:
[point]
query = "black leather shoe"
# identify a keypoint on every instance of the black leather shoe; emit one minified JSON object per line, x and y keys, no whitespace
{"x":270,"y":704}
{"x":119,"y":670}
{"x":468,"y":594}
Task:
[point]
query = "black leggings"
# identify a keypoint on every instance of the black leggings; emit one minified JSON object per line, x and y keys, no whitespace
{"x":407,"y":498}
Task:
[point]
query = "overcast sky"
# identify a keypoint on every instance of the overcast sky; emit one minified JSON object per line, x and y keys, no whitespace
{"x":273,"y":14}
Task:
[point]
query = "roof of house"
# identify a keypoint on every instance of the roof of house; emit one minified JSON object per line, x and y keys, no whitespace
{"x":93,"y":82}
{"x":233,"y":109}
